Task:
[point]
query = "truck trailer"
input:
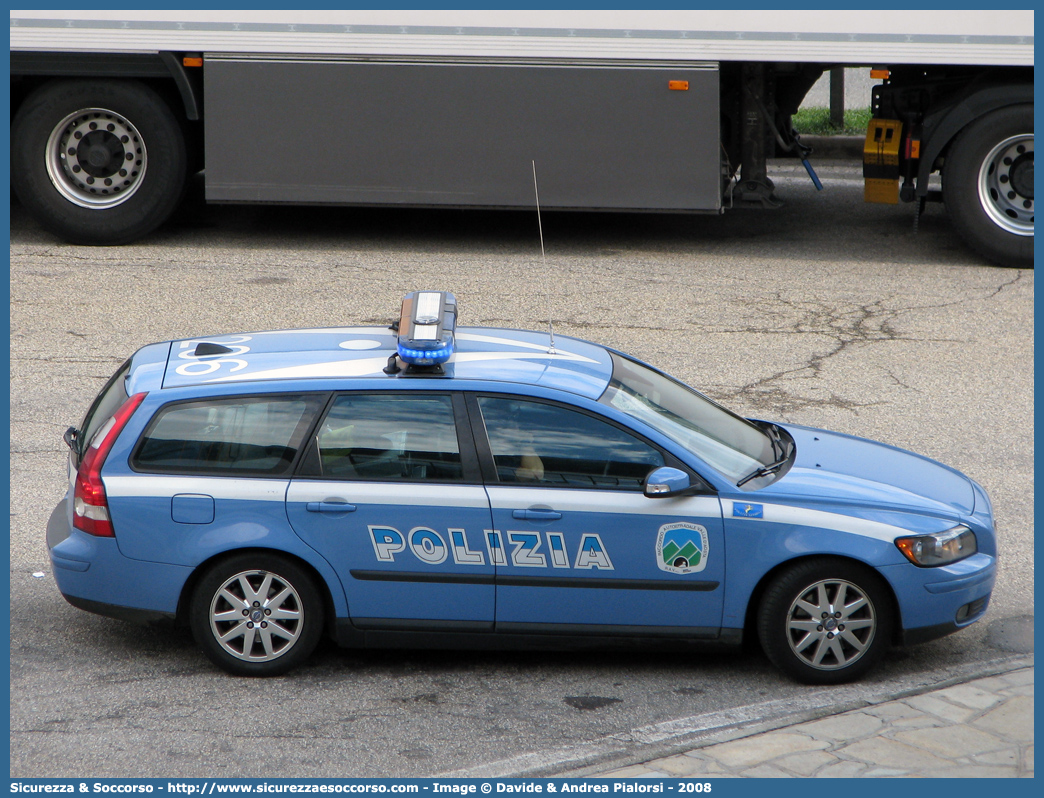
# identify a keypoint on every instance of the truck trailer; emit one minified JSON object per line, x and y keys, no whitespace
{"x":664,"y":111}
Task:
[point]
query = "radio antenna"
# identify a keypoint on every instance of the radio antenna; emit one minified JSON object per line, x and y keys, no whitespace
{"x":543,"y":260}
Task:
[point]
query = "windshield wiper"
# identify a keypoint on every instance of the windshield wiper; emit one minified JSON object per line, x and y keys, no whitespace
{"x":765,"y":470}
{"x":778,"y":448}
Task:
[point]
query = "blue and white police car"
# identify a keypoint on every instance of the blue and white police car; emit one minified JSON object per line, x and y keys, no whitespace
{"x":428,"y":484}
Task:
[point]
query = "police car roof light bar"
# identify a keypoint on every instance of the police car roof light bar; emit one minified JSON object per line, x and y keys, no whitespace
{"x":426,"y":328}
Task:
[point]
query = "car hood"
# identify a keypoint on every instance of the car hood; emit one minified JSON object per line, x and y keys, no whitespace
{"x":836,"y":467}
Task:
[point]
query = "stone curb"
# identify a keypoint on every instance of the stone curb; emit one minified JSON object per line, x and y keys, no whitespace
{"x":979,"y":729}
{"x":657,"y":752}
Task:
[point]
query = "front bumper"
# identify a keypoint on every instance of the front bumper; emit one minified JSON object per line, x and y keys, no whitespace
{"x":934,"y":602}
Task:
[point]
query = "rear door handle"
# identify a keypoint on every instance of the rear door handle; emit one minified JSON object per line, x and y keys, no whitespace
{"x":330,"y":507}
{"x":536,"y":515}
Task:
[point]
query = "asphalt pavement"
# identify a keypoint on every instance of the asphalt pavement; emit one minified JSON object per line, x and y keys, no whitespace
{"x":825,"y":312}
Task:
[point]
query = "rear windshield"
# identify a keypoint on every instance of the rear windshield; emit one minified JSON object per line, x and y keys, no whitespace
{"x":257,"y":435}
{"x":105,"y":404}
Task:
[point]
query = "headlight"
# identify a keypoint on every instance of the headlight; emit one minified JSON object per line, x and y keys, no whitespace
{"x":942,"y":548}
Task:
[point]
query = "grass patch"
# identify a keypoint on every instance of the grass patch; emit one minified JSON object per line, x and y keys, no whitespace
{"x":816,"y":122}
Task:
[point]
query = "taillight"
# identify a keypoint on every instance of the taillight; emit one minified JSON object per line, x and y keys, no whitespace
{"x":90,"y":507}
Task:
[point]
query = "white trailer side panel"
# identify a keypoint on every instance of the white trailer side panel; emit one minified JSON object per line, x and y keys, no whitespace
{"x":852,"y":37}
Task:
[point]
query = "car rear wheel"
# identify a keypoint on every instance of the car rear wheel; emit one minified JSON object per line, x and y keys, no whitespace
{"x":825,"y":621}
{"x":256,"y":615}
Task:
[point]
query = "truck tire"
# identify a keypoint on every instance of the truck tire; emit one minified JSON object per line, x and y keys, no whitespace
{"x":988,"y":185}
{"x":98,"y":161}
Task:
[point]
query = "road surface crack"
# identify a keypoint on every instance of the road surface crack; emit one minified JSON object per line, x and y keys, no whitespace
{"x":845,"y":327}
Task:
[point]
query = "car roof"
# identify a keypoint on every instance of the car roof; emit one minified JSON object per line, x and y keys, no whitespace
{"x":345,"y":353}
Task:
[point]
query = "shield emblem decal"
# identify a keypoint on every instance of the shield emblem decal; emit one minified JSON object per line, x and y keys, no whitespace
{"x":681,"y":548}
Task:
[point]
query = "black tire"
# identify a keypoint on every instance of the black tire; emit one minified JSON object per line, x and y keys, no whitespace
{"x":281,"y":589}
{"x":134,"y":131}
{"x":988,"y":185}
{"x":833,"y":651}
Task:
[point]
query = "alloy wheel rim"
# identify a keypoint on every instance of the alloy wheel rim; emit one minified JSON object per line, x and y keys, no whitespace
{"x":256,"y":616}
{"x":831,"y":624}
{"x":1006,"y":185}
{"x":95,"y":158}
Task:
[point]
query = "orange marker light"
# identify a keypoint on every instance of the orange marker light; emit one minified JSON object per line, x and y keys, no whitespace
{"x":678,"y":85}
{"x":911,"y":548}
{"x":192,"y":61}
{"x":880,"y":74}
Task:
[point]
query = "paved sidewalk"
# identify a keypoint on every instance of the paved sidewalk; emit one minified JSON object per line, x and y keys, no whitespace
{"x":981,"y":728}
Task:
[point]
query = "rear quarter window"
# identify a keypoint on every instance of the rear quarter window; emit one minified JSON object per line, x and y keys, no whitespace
{"x":235,"y":436}
{"x":108,"y":401}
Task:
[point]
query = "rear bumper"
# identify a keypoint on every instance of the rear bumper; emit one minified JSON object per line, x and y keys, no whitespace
{"x":93,"y":575}
{"x":129,"y":614}
{"x":58,"y":528}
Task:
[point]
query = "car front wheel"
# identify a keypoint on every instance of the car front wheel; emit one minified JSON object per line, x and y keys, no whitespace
{"x":825,"y":621}
{"x":256,"y":615}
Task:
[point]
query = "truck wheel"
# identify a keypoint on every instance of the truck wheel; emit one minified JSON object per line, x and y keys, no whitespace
{"x":256,"y":615}
{"x":988,"y":185}
{"x":825,"y":621}
{"x":97,"y":162}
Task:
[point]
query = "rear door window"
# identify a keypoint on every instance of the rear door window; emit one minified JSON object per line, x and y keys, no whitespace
{"x":389,"y":438}
{"x":254,"y":435}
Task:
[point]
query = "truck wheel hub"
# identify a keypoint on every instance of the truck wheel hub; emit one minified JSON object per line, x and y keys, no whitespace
{"x":1022,"y":175}
{"x":95,"y":158}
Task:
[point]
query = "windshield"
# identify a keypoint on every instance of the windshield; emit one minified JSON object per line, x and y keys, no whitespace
{"x":730,"y":444}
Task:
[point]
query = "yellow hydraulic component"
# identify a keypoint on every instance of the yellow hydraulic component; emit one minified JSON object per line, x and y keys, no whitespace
{"x":881,"y":161}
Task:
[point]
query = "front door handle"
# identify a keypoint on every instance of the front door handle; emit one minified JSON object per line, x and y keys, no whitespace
{"x":330,"y":507}
{"x":536,"y":515}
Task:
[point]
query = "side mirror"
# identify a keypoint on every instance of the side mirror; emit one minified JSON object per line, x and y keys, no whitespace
{"x":666,"y":481}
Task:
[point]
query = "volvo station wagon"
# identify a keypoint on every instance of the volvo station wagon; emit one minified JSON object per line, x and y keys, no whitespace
{"x":425,"y":484}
